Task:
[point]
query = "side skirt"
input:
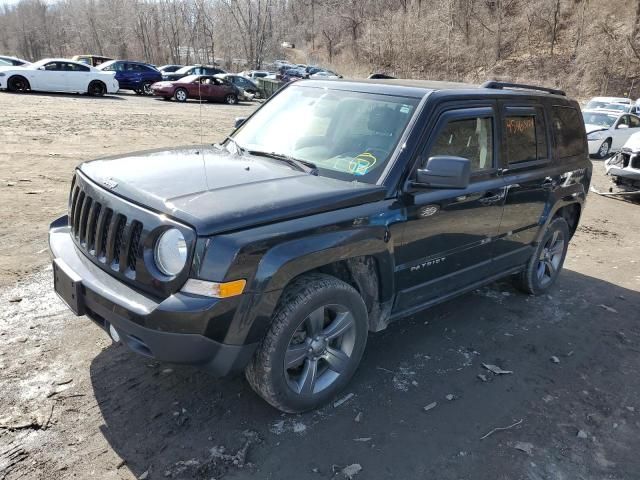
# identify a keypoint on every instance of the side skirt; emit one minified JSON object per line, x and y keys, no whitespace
{"x":468,"y":288}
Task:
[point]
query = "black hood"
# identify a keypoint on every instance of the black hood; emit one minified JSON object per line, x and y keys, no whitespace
{"x":215,"y":191}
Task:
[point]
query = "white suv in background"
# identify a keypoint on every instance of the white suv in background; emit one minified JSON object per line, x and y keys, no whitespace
{"x":601,"y":102}
{"x":608,"y":130}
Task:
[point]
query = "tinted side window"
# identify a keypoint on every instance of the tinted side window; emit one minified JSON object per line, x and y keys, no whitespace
{"x":470,"y":138}
{"x":634,"y":122}
{"x":526,"y":137}
{"x":567,"y":131}
{"x":74,"y":67}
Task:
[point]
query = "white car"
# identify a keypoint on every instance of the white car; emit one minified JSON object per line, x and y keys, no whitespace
{"x":622,"y":107}
{"x":608,"y":130}
{"x":600,"y":102}
{"x":326,"y":74}
{"x":58,"y":75}
{"x":625,"y":166}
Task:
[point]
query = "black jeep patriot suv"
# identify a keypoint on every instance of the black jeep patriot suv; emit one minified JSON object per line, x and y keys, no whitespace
{"x":336,"y":208}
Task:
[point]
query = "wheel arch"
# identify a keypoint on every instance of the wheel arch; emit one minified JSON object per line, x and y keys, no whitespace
{"x":360,"y":258}
{"x":18,"y":75}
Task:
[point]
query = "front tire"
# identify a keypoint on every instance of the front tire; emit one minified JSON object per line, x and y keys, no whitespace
{"x":146,"y":88}
{"x":97,"y":89}
{"x":181,"y":95}
{"x":314,"y":344}
{"x":18,"y":84}
{"x":545,"y":264}
{"x":231,"y":99}
{"x":604,"y":150}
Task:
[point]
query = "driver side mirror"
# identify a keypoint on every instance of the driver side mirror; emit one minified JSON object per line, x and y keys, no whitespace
{"x":239,"y":121}
{"x":444,"y":171}
{"x":623,"y":125}
{"x":41,"y":67}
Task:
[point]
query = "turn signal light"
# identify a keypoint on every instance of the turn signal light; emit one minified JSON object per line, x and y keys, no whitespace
{"x":214,"y":289}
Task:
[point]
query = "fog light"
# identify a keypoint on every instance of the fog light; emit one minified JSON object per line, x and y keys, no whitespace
{"x":114,"y":334}
{"x":214,"y":289}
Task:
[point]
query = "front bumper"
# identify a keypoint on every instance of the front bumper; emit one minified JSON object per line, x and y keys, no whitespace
{"x":171,"y":330}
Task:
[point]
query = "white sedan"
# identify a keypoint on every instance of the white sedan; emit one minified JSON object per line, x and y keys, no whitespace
{"x":58,"y":75}
{"x":608,"y":130}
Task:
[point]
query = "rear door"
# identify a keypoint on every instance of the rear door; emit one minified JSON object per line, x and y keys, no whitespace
{"x":76,"y":77}
{"x":526,"y":153}
{"x":446,"y":244}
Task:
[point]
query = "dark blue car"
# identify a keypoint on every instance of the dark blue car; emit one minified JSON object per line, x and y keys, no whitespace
{"x":136,"y":76}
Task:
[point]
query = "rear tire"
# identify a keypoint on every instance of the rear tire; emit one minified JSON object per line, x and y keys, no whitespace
{"x":314,"y":345}
{"x":181,"y":95}
{"x":545,"y":264}
{"x":231,"y":99}
{"x":18,"y":84}
{"x":97,"y":89}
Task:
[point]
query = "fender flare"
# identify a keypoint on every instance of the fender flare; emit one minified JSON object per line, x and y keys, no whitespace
{"x":290,"y":259}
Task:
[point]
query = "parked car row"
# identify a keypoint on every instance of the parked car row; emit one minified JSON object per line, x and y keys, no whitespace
{"x":58,"y":75}
{"x":109,"y":76}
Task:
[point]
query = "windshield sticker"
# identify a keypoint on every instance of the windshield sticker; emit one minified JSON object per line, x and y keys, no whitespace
{"x":405,"y":109}
{"x":362,"y":164}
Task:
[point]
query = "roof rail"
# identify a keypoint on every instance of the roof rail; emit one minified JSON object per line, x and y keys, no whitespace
{"x":500,"y":85}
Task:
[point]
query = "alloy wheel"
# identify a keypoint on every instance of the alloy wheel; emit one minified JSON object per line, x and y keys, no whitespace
{"x":319,"y":351}
{"x":181,"y":95}
{"x":550,"y":258}
{"x":19,"y":84}
{"x":604,"y":149}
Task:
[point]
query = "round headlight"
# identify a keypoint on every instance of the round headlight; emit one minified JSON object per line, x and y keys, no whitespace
{"x":171,"y":252}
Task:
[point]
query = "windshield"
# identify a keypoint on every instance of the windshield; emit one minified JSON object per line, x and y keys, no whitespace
{"x":105,"y":65}
{"x":184,"y":69}
{"x":347,"y":135}
{"x":600,"y":119}
{"x":188,"y":79}
{"x":616,"y":106}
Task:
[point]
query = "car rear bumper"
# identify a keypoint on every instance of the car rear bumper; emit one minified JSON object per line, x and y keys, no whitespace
{"x":162,"y":330}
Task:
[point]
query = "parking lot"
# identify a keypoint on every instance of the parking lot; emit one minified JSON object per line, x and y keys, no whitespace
{"x":72,"y":405}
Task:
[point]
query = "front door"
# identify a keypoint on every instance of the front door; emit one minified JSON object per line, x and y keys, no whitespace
{"x":446,"y":244}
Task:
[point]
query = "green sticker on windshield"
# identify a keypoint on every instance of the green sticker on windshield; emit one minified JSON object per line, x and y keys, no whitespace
{"x":362,"y":163}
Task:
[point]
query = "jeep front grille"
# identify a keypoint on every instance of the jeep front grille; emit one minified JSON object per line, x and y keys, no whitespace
{"x":117,"y":235}
{"x":104,"y":234}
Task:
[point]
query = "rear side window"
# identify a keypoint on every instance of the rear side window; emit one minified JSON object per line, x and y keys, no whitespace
{"x":567,"y":131}
{"x":526,"y":137}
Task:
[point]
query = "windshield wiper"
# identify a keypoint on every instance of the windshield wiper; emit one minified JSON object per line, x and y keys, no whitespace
{"x":302,"y":165}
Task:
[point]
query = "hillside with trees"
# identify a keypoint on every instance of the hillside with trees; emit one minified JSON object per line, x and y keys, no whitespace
{"x":584,"y":46}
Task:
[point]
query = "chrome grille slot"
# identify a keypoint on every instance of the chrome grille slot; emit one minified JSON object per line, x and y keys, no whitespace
{"x":84,"y":216}
{"x":132,"y":255}
{"x":94,"y":215}
{"x":118,"y":239}
{"x":103,"y":231}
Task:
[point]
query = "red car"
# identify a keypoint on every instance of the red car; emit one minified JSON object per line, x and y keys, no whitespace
{"x":198,"y":87}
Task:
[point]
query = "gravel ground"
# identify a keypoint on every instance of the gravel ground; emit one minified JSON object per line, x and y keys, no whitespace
{"x":73,"y":405}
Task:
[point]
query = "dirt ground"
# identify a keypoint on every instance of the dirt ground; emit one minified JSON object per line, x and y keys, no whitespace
{"x":73,"y":405}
